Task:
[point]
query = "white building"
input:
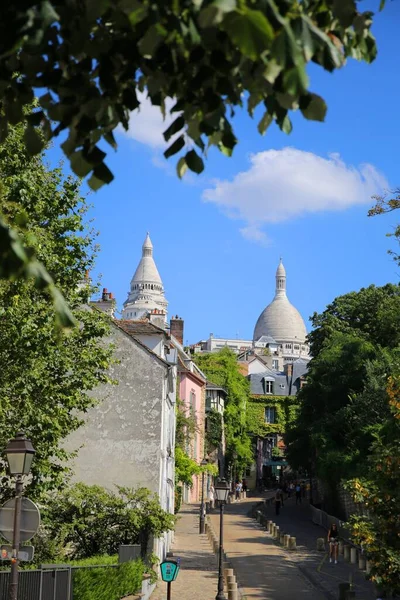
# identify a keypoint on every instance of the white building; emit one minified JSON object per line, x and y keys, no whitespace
{"x":146,"y":291}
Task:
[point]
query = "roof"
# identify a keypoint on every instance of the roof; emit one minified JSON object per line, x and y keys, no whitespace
{"x":267,"y":339}
{"x":281,"y":387}
{"x":117,"y":324}
{"x":214,"y":386}
{"x":146,"y":270}
{"x":140,"y":328}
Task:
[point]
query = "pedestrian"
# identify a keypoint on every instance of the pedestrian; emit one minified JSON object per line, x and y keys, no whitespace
{"x":238,"y":489}
{"x":298,"y":493}
{"x":333,"y":540}
{"x":278,"y":500}
{"x":244,"y":485}
{"x":211,"y":496}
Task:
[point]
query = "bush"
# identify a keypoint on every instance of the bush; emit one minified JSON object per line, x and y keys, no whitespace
{"x":108,"y":583}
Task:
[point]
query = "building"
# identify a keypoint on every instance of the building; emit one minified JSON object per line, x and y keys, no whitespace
{"x":146,"y":290}
{"x":128,"y":438}
{"x":280,"y":324}
{"x":272,"y":406}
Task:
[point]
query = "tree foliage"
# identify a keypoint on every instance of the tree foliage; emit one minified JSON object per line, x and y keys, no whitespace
{"x":222,"y":369}
{"x":386,"y":204}
{"x":93,"y":60}
{"x":342,"y":407}
{"x":378,"y":493}
{"x":46,"y":376}
{"x":89,"y":520}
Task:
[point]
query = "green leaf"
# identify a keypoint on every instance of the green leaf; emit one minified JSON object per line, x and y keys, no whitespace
{"x":151,"y":40}
{"x":250,"y":30}
{"x":295,"y":81}
{"x":3,"y":129}
{"x":313,"y":107}
{"x":286,"y":125}
{"x":265,"y":122}
{"x":345,"y":11}
{"x":181,"y":167}
{"x":213,"y":14}
{"x":176,"y":126}
{"x":175,"y":147}
{"x":33,"y":142}
{"x":194,"y":162}
{"x":307,"y":41}
{"x":79,"y":164}
{"x":101,"y":175}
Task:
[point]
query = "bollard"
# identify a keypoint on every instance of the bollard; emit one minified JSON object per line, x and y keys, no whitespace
{"x":292,"y":543}
{"x":273,"y":530}
{"x":341,"y":546}
{"x":286,"y":542}
{"x":232,"y":591}
{"x":282,"y":538}
{"x":271,"y":527}
{"x":353,"y":555}
{"x":268,"y":525}
{"x":320,"y":544}
{"x":228,"y":571}
{"x":346,"y":552}
{"x":362,"y":562}
{"x":205,"y":527}
{"x":230,"y":579}
{"x":277,"y":533}
{"x":368,"y":566}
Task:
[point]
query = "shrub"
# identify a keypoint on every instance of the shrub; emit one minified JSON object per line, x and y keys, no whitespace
{"x":106,"y":583}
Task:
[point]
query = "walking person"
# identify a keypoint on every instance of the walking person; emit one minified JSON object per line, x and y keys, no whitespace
{"x":333,"y":540}
{"x":211,"y":496}
{"x":238,"y":489}
{"x":298,"y":493}
{"x":278,"y":500}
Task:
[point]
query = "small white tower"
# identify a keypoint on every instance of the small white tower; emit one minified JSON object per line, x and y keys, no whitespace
{"x":147,"y":291}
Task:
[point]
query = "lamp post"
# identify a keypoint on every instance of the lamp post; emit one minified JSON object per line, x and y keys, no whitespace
{"x":203,"y":463}
{"x":221,"y":494}
{"x":19,"y":453}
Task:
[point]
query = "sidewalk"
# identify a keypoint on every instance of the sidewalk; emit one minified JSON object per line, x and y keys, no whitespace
{"x":198,"y":577}
{"x":315,"y":565}
{"x":263,"y":569}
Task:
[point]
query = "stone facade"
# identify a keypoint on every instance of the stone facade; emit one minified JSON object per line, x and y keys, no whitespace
{"x":128,"y":438}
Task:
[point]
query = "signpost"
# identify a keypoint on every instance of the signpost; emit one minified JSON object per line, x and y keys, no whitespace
{"x":169,"y":572}
{"x":30,"y":520}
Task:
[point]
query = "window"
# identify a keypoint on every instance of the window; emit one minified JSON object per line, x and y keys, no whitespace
{"x":288,"y":346}
{"x":270,"y":414}
{"x":268,"y":386}
{"x":297,"y":347}
{"x":275,"y":364}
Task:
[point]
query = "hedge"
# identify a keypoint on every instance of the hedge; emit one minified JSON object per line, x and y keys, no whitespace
{"x":107,"y":583}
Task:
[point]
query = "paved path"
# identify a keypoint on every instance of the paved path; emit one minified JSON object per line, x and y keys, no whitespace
{"x":263,"y":569}
{"x":197,"y":577}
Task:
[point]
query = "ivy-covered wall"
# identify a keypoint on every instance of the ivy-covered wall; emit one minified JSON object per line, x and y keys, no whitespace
{"x":286,"y":408}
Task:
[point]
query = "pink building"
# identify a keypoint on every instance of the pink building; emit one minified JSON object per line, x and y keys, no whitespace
{"x":192,"y":392}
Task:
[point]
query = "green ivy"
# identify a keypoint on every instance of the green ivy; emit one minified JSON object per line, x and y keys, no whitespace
{"x":214,"y":430}
{"x":286,"y":408}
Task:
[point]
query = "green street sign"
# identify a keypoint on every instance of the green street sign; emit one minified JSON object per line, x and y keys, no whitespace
{"x":169,"y":570}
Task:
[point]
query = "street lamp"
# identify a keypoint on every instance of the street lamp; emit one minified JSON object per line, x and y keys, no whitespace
{"x":221,"y":494}
{"x":19,"y":453}
{"x":203,"y":463}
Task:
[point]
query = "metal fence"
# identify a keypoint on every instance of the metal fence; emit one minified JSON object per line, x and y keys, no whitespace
{"x":320,"y":517}
{"x":44,"y":584}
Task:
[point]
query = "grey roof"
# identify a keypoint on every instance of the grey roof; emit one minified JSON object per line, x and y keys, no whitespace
{"x":213,"y":386}
{"x":140,"y":328}
{"x":300,"y":368}
{"x":281,"y":387}
{"x":266,"y":339}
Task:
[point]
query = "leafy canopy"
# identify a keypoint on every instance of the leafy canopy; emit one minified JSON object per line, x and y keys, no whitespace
{"x":46,"y":376}
{"x":93,"y":60}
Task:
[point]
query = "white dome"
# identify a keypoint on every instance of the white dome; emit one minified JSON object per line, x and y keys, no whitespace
{"x":146,"y":270}
{"x":280,"y":319}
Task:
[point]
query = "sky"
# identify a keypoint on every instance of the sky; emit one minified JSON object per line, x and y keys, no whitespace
{"x":305,"y":196}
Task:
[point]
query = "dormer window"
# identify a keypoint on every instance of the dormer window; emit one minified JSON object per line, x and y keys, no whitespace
{"x":268,"y":383}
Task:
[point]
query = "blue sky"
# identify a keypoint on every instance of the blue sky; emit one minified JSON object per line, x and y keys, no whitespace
{"x":218,"y":237}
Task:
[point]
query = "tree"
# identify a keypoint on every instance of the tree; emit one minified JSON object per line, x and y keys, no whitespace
{"x":46,"y":376}
{"x":377,"y":528}
{"x":384,"y":205}
{"x":222,"y":369}
{"x":354,"y":347}
{"x":95,"y":59}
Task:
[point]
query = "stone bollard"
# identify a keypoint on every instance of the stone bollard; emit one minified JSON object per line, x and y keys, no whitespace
{"x":362,"y":562}
{"x":258,"y":516}
{"x":320,"y":544}
{"x":346,"y":552}
{"x":228,"y":571}
{"x":368,"y":566}
{"x":232,"y":591}
{"x":282,"y":539}
{"x":271,"y":527}
{"x":353,"y":555}
{"x":286,"y":542}
{"x":292,"y":543}
{"x":273,"y":530}
{"x":277,"y":532}
{"x":341,"y":546}
{"x":268,"y":525}
{"x":205,"y":528}
{"x":230,"y":579}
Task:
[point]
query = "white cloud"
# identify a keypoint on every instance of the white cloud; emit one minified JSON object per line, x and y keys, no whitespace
{"x":147,"y":125}
{"x":284,"y":184}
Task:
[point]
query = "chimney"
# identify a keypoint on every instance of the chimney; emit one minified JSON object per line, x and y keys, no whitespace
{"x":107,"y":303}
{"x":157,"y":318}
{"x":176,"y":328}
{"x":289,"y":369}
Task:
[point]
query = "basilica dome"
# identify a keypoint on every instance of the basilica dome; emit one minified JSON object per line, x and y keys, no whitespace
{"x":280,"y":319}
